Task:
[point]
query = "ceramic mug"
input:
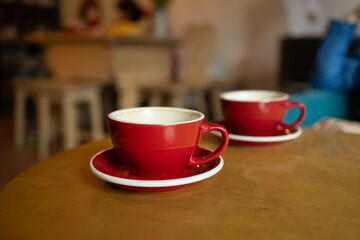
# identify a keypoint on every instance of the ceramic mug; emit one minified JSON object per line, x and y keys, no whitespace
{"x":258,"y":112}
{"x":159,"y":142}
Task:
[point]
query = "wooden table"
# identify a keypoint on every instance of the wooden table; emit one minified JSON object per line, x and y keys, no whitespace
{"x":308,"y":188}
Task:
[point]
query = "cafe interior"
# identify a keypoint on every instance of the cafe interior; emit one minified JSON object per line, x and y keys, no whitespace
{"x":66,"y":64}
{"x":178,"y":53}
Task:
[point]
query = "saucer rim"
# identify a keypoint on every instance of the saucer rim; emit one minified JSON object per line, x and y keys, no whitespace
{"x":155,"y":183}
{"x":279,"y":138}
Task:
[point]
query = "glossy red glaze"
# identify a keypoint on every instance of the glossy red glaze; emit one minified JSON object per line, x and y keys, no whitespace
{"x":107,"y":162}
{"x":259,"y":118}
{"x":150,"y":136}
{"x":161,"y":150}
{"x":159,"y":163}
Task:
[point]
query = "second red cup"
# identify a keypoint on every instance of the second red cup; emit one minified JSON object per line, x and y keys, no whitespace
{"x":258,"y":112}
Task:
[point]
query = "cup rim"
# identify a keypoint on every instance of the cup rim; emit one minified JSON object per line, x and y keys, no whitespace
{"x":284,"y":96}
{"x":112,"y":114}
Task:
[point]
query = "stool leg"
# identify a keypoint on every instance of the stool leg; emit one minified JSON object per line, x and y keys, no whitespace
{"x":96,"y":115}
{"x":200,"y":101}
{"x":69,"y":121}
{"x":19,"y":118}
{"x":155,"y":99}
{"x":177,"y":99}
{"x":43,"y":112}
{"x":129,"y":97}
{"x":215,"y":104}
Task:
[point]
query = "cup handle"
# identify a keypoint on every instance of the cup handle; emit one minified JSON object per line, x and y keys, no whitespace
{"x":282,"y":127}
{"x":205,"y":128}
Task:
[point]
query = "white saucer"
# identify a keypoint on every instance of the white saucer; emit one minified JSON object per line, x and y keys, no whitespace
{"x":107,"y":166}
{"x":257,"y":140}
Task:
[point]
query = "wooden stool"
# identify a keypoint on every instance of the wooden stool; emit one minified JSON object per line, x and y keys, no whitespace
{"x":137,"y":66}
{"x":196,"y":49}
{"x":67,"y":95}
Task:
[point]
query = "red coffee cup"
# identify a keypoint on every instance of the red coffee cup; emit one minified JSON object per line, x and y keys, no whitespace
{"x":159,"y":142}
{"x":258,"y":112}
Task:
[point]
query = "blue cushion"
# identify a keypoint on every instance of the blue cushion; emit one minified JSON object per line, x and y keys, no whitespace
{"x":319,"y":104}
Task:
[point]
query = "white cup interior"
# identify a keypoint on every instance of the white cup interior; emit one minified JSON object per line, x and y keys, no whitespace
{"x":254,"y":95}
{"x":156,"y":115}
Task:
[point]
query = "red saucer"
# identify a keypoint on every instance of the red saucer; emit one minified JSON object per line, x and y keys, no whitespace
{"x":107,"y":166}
{"x":280,"y":137}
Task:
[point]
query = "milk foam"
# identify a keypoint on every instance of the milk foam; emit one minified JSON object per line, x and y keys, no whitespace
{"x":253,"y":95}
{"x":157,"y":116}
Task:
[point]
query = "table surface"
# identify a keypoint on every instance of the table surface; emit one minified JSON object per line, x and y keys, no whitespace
{"x":305,"y":188}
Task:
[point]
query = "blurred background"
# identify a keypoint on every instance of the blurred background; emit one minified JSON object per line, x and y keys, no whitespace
{"x":65,"y":64}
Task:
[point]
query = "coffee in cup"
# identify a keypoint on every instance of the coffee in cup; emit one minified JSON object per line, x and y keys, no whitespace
{"x":258,"y":112}
{"x":159,"y":142}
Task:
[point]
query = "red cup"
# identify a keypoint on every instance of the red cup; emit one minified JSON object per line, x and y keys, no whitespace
{"x":258,"y":112}
{"x":159,"y":142}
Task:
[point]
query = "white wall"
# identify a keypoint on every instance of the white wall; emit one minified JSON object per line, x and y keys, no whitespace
{"x":228,"y":19}
{"x":337,"y":8}
{"x":311,"y":17}
{"x":248,"y":33}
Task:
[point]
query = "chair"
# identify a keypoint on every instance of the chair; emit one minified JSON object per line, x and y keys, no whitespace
{"x":78,"y":73}
{"x":195,"y":50}
{"x":137,"y":66}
